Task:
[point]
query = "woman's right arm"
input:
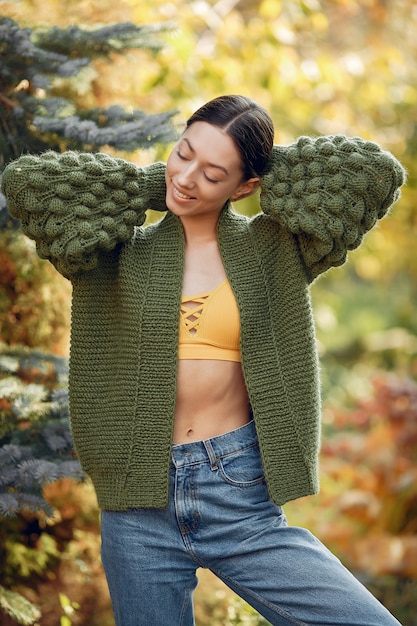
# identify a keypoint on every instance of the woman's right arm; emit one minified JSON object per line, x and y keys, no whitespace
{"x":73,"y":205}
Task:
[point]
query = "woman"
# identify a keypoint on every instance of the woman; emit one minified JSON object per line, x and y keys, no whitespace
{"x":194,"y":387}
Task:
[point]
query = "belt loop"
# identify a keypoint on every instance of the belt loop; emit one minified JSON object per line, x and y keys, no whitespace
{"x":211,"y":454}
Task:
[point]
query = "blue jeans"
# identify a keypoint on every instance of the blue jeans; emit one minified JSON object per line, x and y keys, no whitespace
{"x":220,"y":517}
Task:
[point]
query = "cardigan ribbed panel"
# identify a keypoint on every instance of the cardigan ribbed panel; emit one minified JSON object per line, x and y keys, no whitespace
{"x":279,"y":356}
{"x":137,"y":368}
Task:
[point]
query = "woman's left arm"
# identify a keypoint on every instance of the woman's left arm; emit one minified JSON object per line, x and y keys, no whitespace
{"x":329,"y":192}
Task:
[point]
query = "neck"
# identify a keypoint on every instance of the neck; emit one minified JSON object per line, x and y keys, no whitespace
{"x":200,"y":229}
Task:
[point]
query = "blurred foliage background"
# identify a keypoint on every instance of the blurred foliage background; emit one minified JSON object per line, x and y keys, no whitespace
{"x":319,"y":67}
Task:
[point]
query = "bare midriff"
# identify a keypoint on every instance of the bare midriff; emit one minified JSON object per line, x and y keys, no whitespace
{"x":211,"y":399}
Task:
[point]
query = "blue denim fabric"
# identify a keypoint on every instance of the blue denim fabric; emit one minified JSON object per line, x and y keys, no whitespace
{"x":220,"y":517}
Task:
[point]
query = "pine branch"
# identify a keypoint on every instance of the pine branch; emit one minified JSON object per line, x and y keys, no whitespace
{"x":92,"y":43}
{"x":124,"y":131}
{"x":36,"y":446}
{"x":21,"y":59}
{"x":9,"y":505}
{"x":38,"y":55}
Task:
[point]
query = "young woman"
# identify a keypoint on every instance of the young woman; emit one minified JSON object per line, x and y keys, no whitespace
{"x":194,"y":388}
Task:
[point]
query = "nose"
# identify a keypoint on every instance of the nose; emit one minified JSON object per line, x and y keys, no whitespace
{"x":186,"y":177}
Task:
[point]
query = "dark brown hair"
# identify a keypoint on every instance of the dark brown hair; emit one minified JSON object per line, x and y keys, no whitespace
{"x":247,"y":123}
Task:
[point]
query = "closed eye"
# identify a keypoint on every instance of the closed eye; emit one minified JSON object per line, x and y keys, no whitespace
{"x":211,"y":180}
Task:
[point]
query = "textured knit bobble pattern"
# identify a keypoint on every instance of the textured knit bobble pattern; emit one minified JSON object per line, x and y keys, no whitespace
{"x":330,"y":191}
{"x":75,"y":204}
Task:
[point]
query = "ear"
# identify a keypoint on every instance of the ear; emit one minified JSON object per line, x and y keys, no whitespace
{"x":246,"y":189}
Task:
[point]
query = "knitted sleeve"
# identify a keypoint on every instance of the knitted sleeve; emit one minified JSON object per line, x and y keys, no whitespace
{"x":329,"y":192}
{"x":76,"y":204}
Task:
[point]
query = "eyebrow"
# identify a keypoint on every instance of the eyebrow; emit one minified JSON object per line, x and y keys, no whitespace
{"x":219,"y":167}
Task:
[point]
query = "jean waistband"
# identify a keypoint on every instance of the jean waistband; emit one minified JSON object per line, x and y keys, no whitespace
{"x":215,"y":447}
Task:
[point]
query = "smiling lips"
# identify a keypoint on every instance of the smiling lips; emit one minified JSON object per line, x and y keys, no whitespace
{"x":181,"y":195}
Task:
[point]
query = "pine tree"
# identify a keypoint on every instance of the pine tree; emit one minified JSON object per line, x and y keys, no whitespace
{"x":35,"y":440}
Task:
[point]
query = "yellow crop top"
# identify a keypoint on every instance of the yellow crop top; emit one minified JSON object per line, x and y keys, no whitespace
{"x":210,"y":325}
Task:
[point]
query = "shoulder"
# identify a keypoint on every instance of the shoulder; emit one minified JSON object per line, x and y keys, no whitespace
{"x":149,"y":231}
{"x":255,"y":237}
{"x":231,"y":219}
{"x":261,"y":228}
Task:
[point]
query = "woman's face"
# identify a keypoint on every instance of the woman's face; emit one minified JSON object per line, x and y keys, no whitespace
{"x":204,"y":171}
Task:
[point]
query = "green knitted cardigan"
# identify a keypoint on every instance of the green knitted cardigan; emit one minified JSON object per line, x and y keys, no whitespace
{"x":85,"y":213}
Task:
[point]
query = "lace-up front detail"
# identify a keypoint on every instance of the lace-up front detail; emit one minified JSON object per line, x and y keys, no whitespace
{"x":210,"y":325}
{"x":191,"y":311}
